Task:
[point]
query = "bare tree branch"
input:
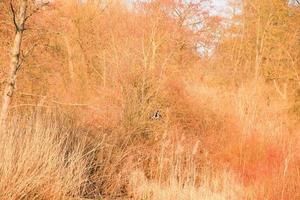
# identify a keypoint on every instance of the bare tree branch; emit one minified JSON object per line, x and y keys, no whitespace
{"x":36,"y":10}
{"x":14,"y":16}
{"x":59,"y":102}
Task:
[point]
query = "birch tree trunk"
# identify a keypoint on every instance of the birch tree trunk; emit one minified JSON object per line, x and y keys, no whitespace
{"x":19,"y":22}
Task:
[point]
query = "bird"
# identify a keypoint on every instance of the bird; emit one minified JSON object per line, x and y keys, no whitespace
{"x":157,"y":115}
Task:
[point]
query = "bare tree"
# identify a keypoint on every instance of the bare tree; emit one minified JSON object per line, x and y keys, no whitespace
{"x":19,"y":22}
{"x":19,"y":18}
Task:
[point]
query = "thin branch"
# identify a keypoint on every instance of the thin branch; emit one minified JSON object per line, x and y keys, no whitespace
{"x":14,"y":16}
{"x":25,"y":55}
{"x":88,"y":62}
{"x":177,"y":12}
{"x":36,"y":10}
{"x":32,"y":105}
{"x":61,"y":103}
{"x":283,"y":93}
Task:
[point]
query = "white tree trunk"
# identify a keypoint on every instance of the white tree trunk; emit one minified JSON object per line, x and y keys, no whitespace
{"x":15,"y":61}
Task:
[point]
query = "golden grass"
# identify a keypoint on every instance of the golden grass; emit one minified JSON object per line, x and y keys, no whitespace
{"x":221,"y":186}
{"x":42,"y":159}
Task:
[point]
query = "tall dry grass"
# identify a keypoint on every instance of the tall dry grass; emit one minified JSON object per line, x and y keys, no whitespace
{"x":42,"y":157}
